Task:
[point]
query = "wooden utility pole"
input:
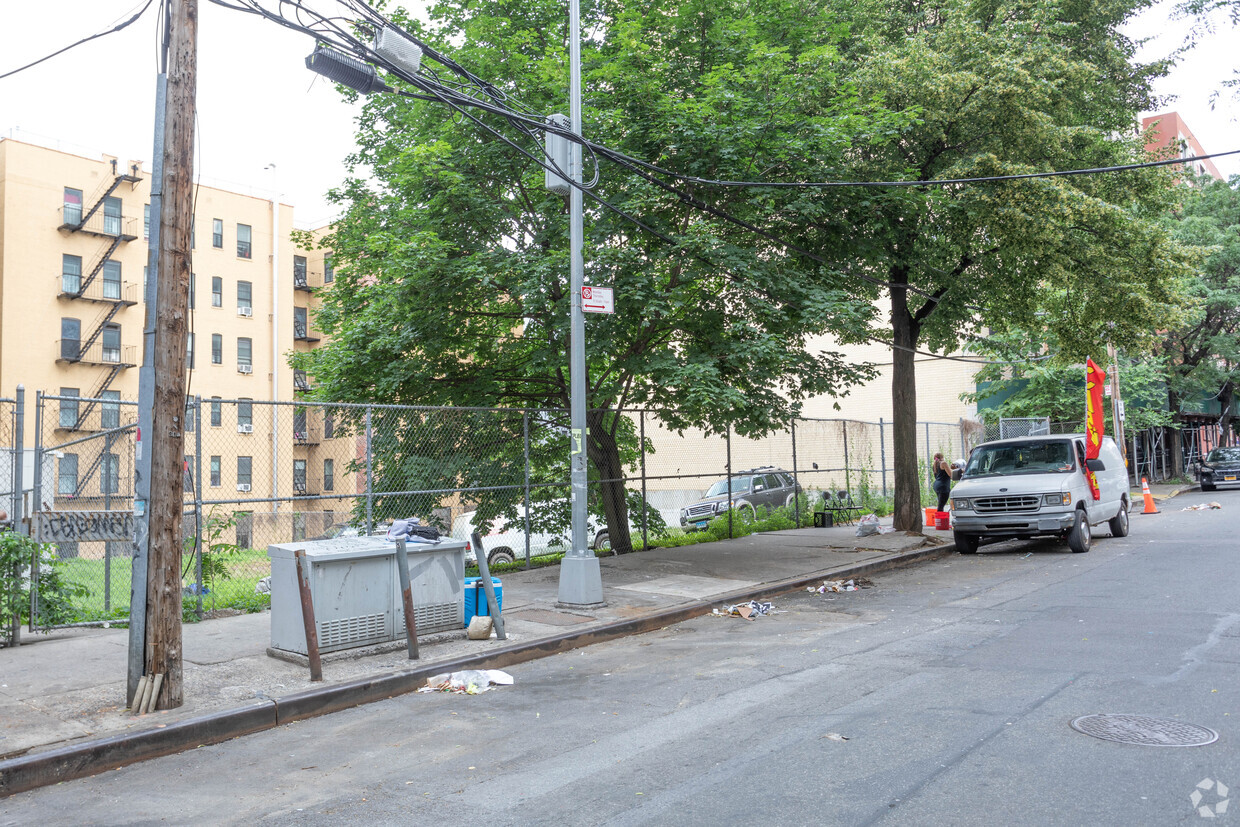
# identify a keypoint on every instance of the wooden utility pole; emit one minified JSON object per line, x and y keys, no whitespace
{"x":163,"y":592}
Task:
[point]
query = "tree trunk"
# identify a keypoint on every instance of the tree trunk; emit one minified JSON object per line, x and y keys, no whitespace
{"x":1225,"y":399}
{"x":604,"y":452}
{"x":908,"y":513}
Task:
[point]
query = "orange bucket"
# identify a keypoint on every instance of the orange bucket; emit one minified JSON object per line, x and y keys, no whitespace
{"x":942,"y":520}
{"x":930,"y":512}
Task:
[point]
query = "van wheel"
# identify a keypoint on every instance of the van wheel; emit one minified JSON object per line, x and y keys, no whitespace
{"x":1079,"y":538}
{"x":602,"y":542}
{"x":501,"y":556}
{"x":967,"y":543}
{"x":1119,"y":523}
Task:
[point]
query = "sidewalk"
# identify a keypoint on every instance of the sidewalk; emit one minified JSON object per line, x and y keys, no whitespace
{"x":62,"y":694}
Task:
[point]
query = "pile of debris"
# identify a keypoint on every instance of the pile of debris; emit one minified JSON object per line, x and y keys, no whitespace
{"x":1201,"y":507}
{"x":750,"y":611}
{"x":836,"y":586}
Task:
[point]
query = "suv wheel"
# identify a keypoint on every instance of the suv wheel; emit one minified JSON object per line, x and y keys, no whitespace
{"x":1079,"y":538}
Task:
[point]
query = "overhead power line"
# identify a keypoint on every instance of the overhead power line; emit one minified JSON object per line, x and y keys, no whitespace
{"x":118,"y":27}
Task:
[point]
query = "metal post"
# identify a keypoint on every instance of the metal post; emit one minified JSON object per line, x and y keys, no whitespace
{"x":36,"y":499}
{"x":307,"y":614}
{"x":645,"y":502}
{"x":727,"y":437}
{"x":19,"y":460}
{"x":847,"y":477}
{"x":146,"y":407}
{"x":198,"y":498}
{"x":370,"y":476}
{"x":581,"y":580}
{"x":796,"y":481}
{"x":406,"y":596}
{"x":488,"y":587}
{"x":882,"y":452}
{"x":525,"y":441}
{"x":107,"y":506}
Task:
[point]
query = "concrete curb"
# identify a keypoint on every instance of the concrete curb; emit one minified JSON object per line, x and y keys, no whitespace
{"x":28,"y":772}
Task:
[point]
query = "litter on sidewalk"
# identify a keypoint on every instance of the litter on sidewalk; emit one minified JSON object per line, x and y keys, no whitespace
{"x":870,"y":526}
{"x":1202,"y":507}
{"x":750,"y":611}
{"x":467,"y":682}
{"x":836,"y":586}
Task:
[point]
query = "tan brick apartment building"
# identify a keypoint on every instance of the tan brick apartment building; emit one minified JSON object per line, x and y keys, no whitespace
{"x":73,"y":255}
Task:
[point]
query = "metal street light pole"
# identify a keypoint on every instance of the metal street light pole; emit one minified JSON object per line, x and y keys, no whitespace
{"x":581,"y":581}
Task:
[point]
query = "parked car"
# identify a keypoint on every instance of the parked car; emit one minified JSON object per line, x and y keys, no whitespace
{"x":1036,"y":486}
{"x":1220,"y":467}
{"x":769,"y":486}
{"x":506,"y":542}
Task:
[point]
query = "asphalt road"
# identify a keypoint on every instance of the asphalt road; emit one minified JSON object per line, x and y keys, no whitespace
{"x":954,"y":683}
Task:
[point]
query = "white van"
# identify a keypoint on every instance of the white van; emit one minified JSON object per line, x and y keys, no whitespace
{"x":1035,"y":486}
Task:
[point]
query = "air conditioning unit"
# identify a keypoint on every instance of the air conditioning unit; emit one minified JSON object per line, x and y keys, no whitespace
{"x":247,"y":369}
{"x":243,"y":486}
{"x":245,"y":311}
{"x":245,"y":429}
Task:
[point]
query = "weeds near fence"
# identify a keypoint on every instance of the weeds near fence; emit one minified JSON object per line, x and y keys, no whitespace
{"x":58,"y":595}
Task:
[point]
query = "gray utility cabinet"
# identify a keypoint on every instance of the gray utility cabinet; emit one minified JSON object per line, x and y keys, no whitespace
{"x":355,"y":586}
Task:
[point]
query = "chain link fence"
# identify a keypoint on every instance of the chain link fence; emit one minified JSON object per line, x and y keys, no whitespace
{"x":258,"y":473}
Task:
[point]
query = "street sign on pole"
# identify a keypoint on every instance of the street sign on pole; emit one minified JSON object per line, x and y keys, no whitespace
{"x":597,"y":300}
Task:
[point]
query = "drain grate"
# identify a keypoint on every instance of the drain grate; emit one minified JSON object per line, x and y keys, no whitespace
{"x":1144,"y":730}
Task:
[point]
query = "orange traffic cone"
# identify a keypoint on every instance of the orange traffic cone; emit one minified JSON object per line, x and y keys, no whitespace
{"x":1149,"y":498}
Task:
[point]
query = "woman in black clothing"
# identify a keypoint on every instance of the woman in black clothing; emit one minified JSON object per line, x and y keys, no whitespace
{"x":942,"y":479}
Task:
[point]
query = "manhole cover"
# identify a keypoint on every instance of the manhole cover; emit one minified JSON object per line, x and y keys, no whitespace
{"x":1144,"y":730}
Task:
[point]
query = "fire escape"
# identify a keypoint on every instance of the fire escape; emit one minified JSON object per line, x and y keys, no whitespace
{"x":98,"y":285}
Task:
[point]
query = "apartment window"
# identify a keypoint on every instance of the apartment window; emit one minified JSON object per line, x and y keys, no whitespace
{"x":245,"y":352}
{"x":193,"y":230}
{"x":70,"y":273}
{"x":299,"y":424}
{"x":245,"y":412}
{"x":146,"y":278}
{"x":217,"y":412}
{"x":217,"y":291}
{"x":299,"y":271}
{"x":243,"y":241}
{"x":69,"y":407}
{"x":71,"y":339}
{"x":110,"y":474}
{"x":329,"y":275}
{"x":192,"y":291}
{"x":73,"y":206}
{"x":189,"y":351}
{"x":112,"y":215}
{"x":187,"y":463}
{"x":67,"y":475}
{"x":217,"y":349}
{"x":189,"y":415}
{"x":110,"y":410}
{"x":111,"y":279}
{"x":217,"y":236}
{"x":299,"y":476}
{"x":146,"y":221}
{"x":329,"y":475}
{"x":215,"y":471}
{"x":329,"y":426}
{"x":299,"y":323}
{"x":112,"y":343}
{"x":245,"y":296}
{"x":244,"y":464}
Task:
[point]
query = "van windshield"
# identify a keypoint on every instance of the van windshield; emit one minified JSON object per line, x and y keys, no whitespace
{"x":1034,"y":457}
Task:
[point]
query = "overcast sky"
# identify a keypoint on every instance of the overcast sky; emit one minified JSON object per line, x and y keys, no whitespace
{"x":258,"y":104}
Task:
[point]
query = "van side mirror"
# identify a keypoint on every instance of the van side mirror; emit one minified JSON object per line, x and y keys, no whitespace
{"x":1095,"y":465}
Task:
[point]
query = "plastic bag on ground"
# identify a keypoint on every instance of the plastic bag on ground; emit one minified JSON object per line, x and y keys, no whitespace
{"x":868,"y":525}
{"x":467,"y":682}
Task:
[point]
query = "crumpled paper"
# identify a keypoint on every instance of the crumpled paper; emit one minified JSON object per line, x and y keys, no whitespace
{"x":836,"y":586}
{"x":750,"y":611}
{"x":467,"y":682}
{"x":1201,"y":507}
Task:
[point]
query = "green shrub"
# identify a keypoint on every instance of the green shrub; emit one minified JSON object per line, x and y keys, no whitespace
{"x":57,"y":594}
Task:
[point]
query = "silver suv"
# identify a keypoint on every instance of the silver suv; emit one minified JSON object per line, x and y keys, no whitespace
{"x":770,"y":487}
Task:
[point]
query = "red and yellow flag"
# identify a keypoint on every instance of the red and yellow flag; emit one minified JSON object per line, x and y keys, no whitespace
{"x":1095,"y":378}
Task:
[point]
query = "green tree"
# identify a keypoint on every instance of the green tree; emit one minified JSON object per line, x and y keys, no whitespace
{"x":1202,"y":353}
{"x":1006,"y":87}
{"x":453,"y":257}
